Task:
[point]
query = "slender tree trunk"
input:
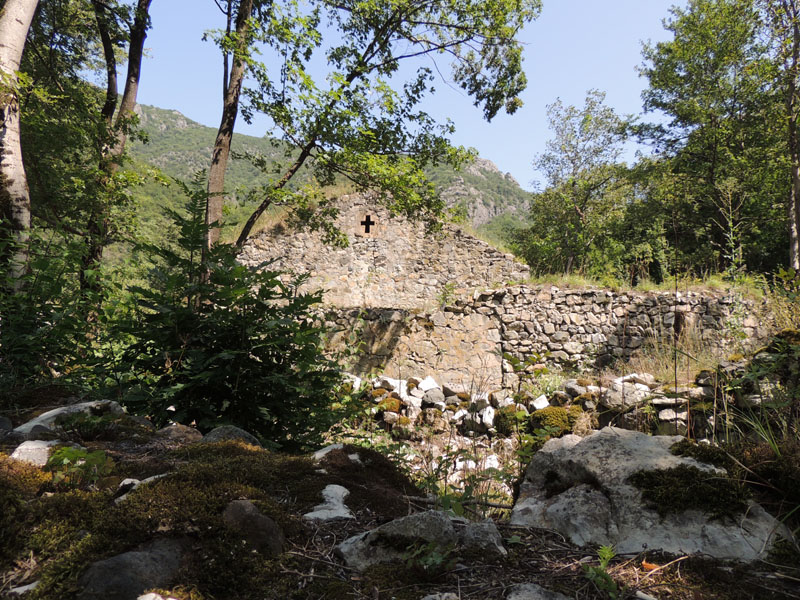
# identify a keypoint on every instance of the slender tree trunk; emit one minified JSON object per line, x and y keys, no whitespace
{"x":15,"y":199}
{"x":791,"y":11}
{"x":230,"y":108}
{"x":794,"y":197}
{"x":786,"y":16}
{"x":99,"y":226}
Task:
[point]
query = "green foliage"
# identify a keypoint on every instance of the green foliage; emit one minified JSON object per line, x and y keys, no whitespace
{"x":586,"y":194}
{"x":437,"y":477}
{"x":431,"y":559}
{"x":446,"y":296}
{"x":215,"y":342}
{"x":77,"y":467}
{"x":726,"y":175}
{"x":599,"y":575}
{"x":365,"y":123}
{"x":44,"y":324}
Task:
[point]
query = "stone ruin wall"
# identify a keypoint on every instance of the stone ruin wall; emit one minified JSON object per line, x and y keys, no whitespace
{"x":397,"y":264}
{"x":463,"y":343}
{"x":418,"y":304}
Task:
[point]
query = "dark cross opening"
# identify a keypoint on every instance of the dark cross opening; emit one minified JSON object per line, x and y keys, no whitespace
{"x":367,"y":223}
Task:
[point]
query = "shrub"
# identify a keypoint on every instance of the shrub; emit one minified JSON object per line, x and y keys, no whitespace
{"x":76,"y":467}
{"x":216,"y":342}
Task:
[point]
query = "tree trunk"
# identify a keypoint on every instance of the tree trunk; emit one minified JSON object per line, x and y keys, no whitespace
{"x":15,"y":199}
{"x":787,"y":17}
{"x":794,"y":197}
{"x":230,"y":108}
{"x":99,"y":225}
{"x":791,"y":10}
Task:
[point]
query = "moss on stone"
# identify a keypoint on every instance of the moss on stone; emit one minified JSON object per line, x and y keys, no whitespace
{"x":88,"y":427}
{"x":554,"y":417}
{"x":390,"y":404}
{"x":574,"y":412}
{"x":181,"y":592}
{"x":505,"y":420}
{"x":685,"y":488}
{"x":560,"y":418}
{"x":705,"y":453}
{"x":66,"y":532}
{"x":23,"y":477}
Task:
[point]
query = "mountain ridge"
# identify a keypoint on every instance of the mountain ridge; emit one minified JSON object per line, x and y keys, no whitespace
{"x":180,"y":147}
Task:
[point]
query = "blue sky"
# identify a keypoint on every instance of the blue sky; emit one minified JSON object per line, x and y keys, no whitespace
{"x":574,"y":46}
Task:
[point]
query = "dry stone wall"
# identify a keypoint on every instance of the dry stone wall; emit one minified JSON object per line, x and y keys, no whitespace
{"x":413,"y":304}
{"x":464,"y":343}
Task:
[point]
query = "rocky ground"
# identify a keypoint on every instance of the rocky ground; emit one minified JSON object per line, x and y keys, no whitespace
{"x":125,"y":511}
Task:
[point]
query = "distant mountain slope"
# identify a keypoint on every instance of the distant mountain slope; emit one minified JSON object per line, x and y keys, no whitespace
{"x":180,"y":147}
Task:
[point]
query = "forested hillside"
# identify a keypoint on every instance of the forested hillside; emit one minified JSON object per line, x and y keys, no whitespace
{"x":180,"y":148}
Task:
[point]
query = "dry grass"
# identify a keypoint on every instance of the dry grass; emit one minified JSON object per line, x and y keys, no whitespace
{"x":677,"y":360}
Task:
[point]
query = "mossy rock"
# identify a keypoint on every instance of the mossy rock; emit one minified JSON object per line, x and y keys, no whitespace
{"x":505,"y":420}
{"x":684,"y":487}
{"x":583,"y":382}
{"x":67,"y":531}
{"x":390,"y":404}
{"x":89,"y":427}
{"x":704,"y":453}
{"x":378,"y":392}
{"x":23,"y":477}
{"x":562,"y":418}
{"x":585,"y":397}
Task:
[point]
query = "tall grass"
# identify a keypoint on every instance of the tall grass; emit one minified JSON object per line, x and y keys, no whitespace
{"x":678,"y":358}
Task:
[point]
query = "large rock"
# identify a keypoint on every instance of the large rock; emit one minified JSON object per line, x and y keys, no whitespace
{"x":579,"y":487}
{"x":225,"y":433}
{"x":388,"y":542}
{"x":622,"y":396}
{"x":127,"y":575}
{"x":50,"y":418}
{"x":36,"y":452}
{"x":182,"y":434}
{"x":261,"y":532}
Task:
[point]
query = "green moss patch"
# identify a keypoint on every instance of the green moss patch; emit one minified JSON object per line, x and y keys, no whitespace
{"x":506,"y":421}
{"x":558,"y":418}
{"x":685,"y":488}
{"x":704,"y":453}
{"x":65,"y":532}
{"x":390,"y":404}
